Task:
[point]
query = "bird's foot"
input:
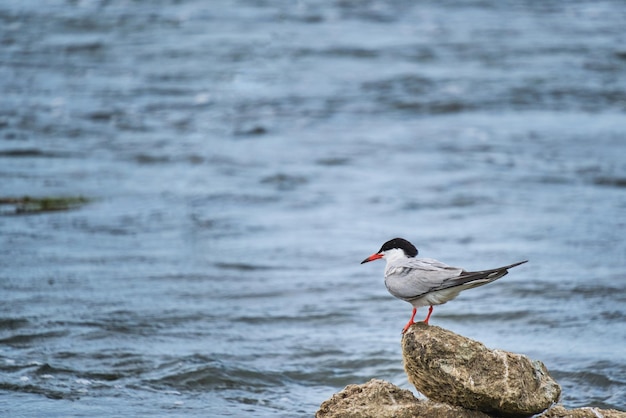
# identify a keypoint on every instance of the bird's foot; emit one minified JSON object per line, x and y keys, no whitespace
{"x":407,"y":326}
{"x":430,"y":312}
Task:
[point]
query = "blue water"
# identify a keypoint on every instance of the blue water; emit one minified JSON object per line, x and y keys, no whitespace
{"x":243,"y":157}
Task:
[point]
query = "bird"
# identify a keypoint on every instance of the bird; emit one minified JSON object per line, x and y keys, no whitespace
{"x":426,"y":281}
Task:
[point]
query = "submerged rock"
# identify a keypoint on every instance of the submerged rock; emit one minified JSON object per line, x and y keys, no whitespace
{"x":450,"y":368}
{"x":380,"y":399}
{"x":32,"y":205}
{"x":560,"y":412}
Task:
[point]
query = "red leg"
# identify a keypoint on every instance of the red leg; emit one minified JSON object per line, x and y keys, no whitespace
{"x":430,"y":311}
{"x":406,"y":327}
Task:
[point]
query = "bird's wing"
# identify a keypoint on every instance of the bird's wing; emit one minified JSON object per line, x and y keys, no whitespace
{"x":470,"y":279}
{"x":417,"y":276}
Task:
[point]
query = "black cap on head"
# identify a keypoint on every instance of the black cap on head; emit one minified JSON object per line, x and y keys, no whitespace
{"x":408,"y":248}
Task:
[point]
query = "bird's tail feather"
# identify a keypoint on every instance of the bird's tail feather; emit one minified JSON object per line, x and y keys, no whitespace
{"x":470,"y":279}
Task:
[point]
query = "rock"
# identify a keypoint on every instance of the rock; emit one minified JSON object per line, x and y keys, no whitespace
{"x":559,"y":412}
{"x":380,"y":399}
{"x":450,"y":368}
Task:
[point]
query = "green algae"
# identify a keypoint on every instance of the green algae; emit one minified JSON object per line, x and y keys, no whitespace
{"x":32,"y":205}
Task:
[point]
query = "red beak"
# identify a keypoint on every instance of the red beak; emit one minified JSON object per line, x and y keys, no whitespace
{"x":372,"y":258}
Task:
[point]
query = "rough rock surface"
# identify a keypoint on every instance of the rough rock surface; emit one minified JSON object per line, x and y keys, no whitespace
{"x":560,"y":412}
{"x":380,"y":399}
{"x":450,"y":368}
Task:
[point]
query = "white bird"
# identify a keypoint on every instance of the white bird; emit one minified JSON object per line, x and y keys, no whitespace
{"x":425,"y":281}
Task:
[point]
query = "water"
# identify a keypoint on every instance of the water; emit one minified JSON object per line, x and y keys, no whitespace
{"x":242,"y":158}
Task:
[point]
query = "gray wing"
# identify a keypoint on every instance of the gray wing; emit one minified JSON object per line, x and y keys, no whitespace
{"x":469,"y":279}
{"x":418,"y":276}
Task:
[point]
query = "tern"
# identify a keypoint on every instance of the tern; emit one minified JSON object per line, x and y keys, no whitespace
{"x":425,"y":281}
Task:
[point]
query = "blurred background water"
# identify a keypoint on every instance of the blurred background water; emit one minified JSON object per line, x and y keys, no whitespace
{"x":242,"y":157}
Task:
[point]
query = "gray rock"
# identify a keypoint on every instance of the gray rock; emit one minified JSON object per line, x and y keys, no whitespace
{"x":380,"y":399}
{"x":450,"y":368}
{"x":559,"y":412}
